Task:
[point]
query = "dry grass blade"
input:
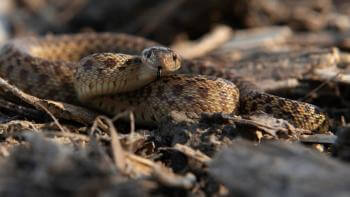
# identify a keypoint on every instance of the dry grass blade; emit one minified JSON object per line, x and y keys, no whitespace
{"x":117,"y":150}
{"x":135,"y":166}
{"x":57,"y":109}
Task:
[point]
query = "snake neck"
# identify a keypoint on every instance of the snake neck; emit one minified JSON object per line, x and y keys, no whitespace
{"x":144,"y":75}
{"x":107,"y":73}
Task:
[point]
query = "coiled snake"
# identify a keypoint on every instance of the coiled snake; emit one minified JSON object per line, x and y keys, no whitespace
{"x":80,"y":69}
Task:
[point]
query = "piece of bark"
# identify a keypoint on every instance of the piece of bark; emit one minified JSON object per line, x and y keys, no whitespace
{"x":279,"y":169}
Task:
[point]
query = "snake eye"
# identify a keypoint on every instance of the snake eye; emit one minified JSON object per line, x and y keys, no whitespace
{"x":148,"y":54}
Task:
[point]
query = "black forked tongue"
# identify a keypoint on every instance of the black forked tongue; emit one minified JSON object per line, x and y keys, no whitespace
{"x":159,"y":72}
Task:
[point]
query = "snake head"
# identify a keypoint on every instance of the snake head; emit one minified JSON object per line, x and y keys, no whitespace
{"x":161,"y":59}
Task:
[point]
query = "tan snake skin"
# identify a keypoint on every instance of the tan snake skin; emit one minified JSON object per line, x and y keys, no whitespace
{"x":45,"y":67}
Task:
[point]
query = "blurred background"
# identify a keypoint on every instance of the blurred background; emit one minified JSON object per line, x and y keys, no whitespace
{"x":168,"y":21}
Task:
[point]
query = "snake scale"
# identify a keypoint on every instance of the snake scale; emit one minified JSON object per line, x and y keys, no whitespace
{"x":81,"y":69}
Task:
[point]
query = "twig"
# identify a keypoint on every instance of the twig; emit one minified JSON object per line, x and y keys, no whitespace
{"x":268,"y":128}
{"x":318,"y":138}
{"x":28,"y":99}
{"x":53,"y":117}
{"x":330,"y":74}
{"x":19,"y":109}
{"x":218,"y":36}
{"x":195,"y":154}
{"x":57,"y":109}
{"x":312,"y":92}
{"x":173,"y":180}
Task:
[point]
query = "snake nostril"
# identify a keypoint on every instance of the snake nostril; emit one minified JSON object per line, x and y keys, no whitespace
{"x":128,"y":62}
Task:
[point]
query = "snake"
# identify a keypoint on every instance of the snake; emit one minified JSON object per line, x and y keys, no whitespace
{"x":115,"y":72}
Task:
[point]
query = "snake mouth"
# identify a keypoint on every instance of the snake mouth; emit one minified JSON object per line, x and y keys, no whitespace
{"x":159,"y":72}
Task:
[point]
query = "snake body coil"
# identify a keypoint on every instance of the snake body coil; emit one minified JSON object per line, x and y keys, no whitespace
{"x":49,"y":67}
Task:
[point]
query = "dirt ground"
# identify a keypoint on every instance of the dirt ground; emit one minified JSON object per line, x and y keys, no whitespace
{"x":291,"y":48}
